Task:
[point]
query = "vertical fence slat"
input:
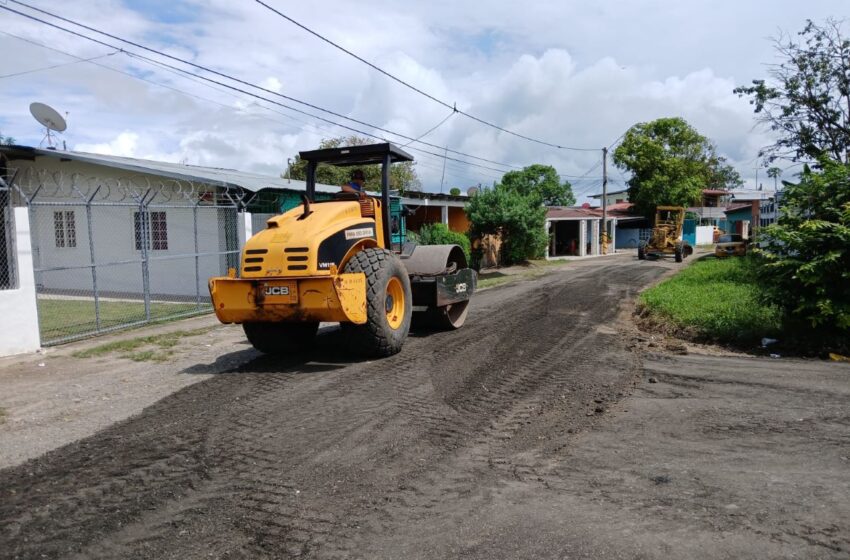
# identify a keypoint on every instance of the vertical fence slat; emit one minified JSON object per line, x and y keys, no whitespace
{"x":144,"y":241}
{"x":197,"y":258}
{"x":95,"y":290}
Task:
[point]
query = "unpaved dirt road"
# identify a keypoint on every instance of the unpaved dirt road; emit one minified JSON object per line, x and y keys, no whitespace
{"x":515,"y":437}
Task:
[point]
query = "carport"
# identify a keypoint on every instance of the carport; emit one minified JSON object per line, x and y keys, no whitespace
{"x":573,"y":231}
{"x":565,"y":238}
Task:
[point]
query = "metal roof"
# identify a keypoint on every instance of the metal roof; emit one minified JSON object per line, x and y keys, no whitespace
{"x":215,"y":176}
{"x":357,"y":155}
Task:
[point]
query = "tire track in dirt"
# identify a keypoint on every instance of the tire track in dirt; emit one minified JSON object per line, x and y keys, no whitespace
{"x":297,"y":459}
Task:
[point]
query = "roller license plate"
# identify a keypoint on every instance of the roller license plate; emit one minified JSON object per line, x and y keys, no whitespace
{"x":278,"y":292}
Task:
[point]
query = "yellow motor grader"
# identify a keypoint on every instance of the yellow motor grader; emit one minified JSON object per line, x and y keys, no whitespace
{"x":334,"y":261}
{"x":666,"y":238}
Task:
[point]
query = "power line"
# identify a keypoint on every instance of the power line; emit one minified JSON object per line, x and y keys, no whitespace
{"x":229,"y":77}
{"x":414,"y":88}
{"x":486,"y":175}
{"x":240,"y":90}
{"x":58,"y":65}
{"x":432,"y":129}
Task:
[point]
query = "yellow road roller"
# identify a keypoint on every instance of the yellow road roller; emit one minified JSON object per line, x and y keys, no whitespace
{"x":334,"y":261}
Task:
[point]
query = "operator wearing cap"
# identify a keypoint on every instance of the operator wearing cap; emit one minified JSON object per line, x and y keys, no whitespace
{"x":358,"y":179}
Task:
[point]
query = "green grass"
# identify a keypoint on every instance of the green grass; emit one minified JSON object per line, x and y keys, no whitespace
{"x":60,"y":318}
{"x":713,"y":299}
{"x":154,"y":348}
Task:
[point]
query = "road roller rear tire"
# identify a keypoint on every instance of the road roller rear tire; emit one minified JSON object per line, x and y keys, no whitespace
{"x":280,"y":338}
{"x":388,"y":304}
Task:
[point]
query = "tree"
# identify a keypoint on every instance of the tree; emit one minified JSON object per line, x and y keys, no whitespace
{"x":806,"y":100}
{"x":403,"y":175}
{"x":805,"y":257}
{"x":774,"y":173}
{"x":670,"y":164}
{"x":519,"y":219}
{"x":8,"y":140}
{"x":454,"y":191}
{"x":541,"y":181}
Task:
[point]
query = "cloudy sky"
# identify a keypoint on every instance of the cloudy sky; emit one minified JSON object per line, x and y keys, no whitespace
{"x":575,"y":74}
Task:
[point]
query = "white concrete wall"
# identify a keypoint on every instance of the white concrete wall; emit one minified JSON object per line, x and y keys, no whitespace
{"x":595,"y":243}
{"x":582,"y":238}
{"x":18,"y":310}
{"x":705,"y":235}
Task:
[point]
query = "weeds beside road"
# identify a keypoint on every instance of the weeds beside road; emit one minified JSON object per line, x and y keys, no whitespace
{"x":724,"y":301}
{"x":713,"y":300}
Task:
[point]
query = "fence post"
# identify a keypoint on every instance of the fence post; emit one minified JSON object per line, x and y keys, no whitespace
{"x":197,"y":263}
{"x":91,"y":257}
{"x":145,"y":237}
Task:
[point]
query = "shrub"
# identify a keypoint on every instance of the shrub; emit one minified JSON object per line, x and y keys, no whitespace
{"x":804,"y":259}
{"x":440,"y":234}
{"x":454,"y":191}
{"x":519,"y":219}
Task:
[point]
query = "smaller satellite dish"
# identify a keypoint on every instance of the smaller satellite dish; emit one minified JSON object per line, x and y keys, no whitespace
{"x":472,"y":191}
{"x":48,"y":117}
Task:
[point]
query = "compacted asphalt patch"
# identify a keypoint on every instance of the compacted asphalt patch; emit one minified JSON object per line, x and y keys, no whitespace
{"x":518,"y":436}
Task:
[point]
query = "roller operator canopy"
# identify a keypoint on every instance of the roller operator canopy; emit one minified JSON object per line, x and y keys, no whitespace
{"x":357,"y":155}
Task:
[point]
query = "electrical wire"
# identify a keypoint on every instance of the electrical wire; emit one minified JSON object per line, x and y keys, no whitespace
{"x":196,"y":77}
{"x":58,"y":65}
{"x":432,"y":129}
{"x":240,"y":90}
{"x":414,"y":88}
{"x":229,"y":77}
{"x":451,"y":172}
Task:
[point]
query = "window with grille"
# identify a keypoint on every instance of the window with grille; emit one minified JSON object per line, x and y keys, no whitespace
{"x":65,"y":228}
{"x":151,"y":229}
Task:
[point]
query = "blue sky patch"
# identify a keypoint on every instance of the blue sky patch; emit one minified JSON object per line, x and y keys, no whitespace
{"x":165,"y":11}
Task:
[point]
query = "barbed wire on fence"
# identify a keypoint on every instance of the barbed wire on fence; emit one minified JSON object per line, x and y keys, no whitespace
{"x":120,"y":251}
{"x":36,"y":185}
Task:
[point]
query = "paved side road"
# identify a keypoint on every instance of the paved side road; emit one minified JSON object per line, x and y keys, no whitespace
{"x":533,"y":432}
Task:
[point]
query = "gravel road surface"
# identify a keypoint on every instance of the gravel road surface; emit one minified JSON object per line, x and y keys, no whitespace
{"x":520,"y":436}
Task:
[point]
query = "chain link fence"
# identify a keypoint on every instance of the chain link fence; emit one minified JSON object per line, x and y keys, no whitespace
{"x":8,"y":259}
{"x":115,"y":253}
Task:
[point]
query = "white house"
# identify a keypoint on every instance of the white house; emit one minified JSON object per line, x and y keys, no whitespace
{"x":116,"y":212}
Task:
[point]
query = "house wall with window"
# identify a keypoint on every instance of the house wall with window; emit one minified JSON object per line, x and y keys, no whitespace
{"x":60,"y":232}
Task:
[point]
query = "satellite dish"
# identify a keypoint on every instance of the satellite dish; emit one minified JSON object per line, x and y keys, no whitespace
{"x":472,"y":191}
{"x":50,"y":119}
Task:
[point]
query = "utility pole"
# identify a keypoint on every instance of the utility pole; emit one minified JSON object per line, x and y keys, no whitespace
{"x":604,"y":193}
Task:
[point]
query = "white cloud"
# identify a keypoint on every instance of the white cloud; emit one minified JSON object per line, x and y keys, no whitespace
{"x":125,"y":144}
{"x":570,"y":73}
